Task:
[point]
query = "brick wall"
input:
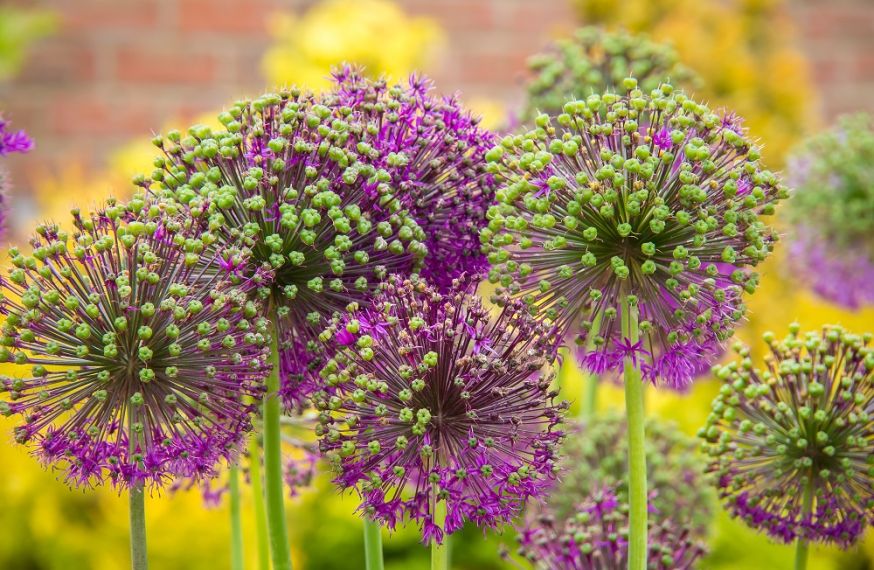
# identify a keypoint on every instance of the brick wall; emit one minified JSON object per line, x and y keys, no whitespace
{"x":119,"y":69}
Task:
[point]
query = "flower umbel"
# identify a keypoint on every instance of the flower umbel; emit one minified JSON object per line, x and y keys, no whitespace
{"x":642,"y":197}
{"x":139,"y":366}
{"x":435,"y":152}
{"x":594,"y":60}
{"x":444,"y":403}
{"x":832,"y":212}
{"x":595,"y":537}
{"x":803,"y":425}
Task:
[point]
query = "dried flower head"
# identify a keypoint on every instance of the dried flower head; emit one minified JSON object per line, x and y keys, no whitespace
{"x":595,"y":537}
{"x":594,"y":60}
{"x":791,"y":444}
{"x":139,"y":366}
{"x":832,"y":212}
{"x":647,"y":199}
{"x":437,"y":401}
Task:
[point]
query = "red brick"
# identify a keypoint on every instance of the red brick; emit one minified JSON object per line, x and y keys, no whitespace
{"x":86,"y":114}
{"x":151,"y":64}
{"x":223,"y":17}
{"x":864,"y":69}
{"x":59,"y":61}
{"x":86,"y":15}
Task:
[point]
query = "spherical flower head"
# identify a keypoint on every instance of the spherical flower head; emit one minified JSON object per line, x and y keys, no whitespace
{"x":435,"y":151}
{"x":139,"y":367}
{"x":595,"y":537}
{"x":10,"y":141}
{"x":832,"y":212}
{"x":790,"y":444}
{"x":441,"y":405}
{"x":594,"y":60}
{"x":291,"y":178}
{"x":645,"y":200}
{"x":595,"y":455}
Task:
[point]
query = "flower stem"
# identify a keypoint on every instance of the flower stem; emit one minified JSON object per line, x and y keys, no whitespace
{"x":590,"y":394}
{"x":637,"y":531}
{"x":372,"y":544}
{"x":260,"y":513}
{"x":236,"y":524}
{"x":801,"y":544}
{"x":274,"y":491}
{"x":139,"y":560}
{"x":440,"y":552}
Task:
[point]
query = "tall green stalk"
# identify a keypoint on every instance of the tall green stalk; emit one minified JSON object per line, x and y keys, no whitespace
{"x":138,"y":556}
{"x":589,"y":404}
{"x":637,"y":531}
{"x":372,"y":544}
{"x":236,"y":523}
{"x":440,"y":552}
{"x":258,"y":500}
{"x":801,"y":545}
{"x":274,"y":486}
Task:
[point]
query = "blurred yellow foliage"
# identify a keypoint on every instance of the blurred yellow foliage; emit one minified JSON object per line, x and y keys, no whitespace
{"x":743,"y":50}
{"x":373,"y":33}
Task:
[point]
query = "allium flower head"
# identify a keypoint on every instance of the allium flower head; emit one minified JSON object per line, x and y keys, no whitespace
{"x":595,"y":455}
{"x":139,"y":366}
{"x":583,"y":523}
{"x":332,"y":193}
{"x":832,"y":212}
{"x":435,"y":152}
{"x":595,"y":537}
{"x":10,"y":141}
{"x":595,"y":61}
{"x":441,"y":402}
{"x":649,"y":199}
{"x":803,"y":425}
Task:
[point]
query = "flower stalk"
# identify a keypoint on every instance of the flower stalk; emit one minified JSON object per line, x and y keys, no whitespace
{"x":260,"y":510}
{"x":372,"y":544}
{"x":236,"y":523}
{"x":637,"y":531}
{"x":274,"y":494}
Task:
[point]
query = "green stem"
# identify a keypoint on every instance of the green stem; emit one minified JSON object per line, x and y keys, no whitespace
{"x":590,"y":395}
{"x":802,"y":546}
{"x":274,"y":486}
{"x":236,"y":524}
{"x":440,"y":552}
{"x":260,"y":512}
{"x":139,"y":559}
{"x":637,"y":531}
{"x":372,"y":544}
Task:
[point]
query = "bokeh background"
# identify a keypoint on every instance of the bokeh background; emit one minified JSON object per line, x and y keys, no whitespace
{"x":91,"y":80}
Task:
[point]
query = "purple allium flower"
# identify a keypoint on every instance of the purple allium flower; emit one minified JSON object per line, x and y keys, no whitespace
{"x":592,"y":213}
{"x":595,"y":537}
{"x":791,"y":444}
{"x":10,"y":141}
{"x":595,"y":455}
{"x":290,"y":179}
{"x":448,"y":404}
{"x":139,"y":366}
{"x":435,"y":152}
{"x":595,"y":60}
{"x":832,"y":212}
{"x":300,"y":471}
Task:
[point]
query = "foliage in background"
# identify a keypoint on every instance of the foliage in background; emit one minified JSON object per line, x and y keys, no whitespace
{"x":742,"y":49}
{"x":374,"y":33}
{"x":740,"y":45}
{"x":18,"y":29}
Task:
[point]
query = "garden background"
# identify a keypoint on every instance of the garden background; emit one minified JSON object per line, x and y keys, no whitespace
{"x":91,"y":80}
